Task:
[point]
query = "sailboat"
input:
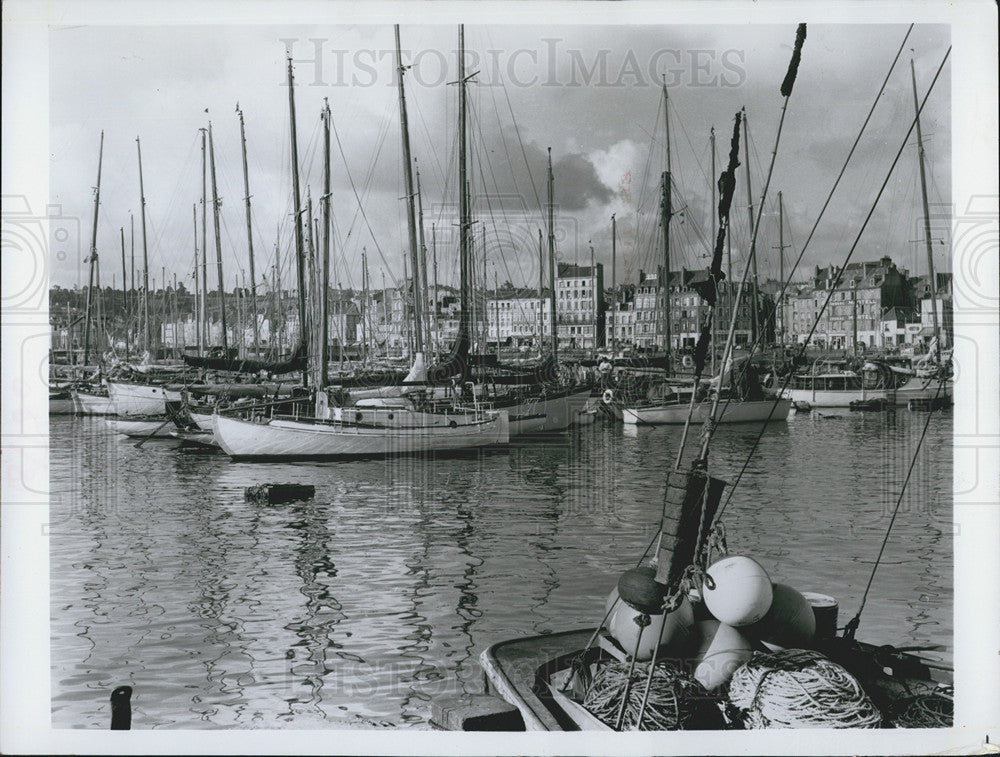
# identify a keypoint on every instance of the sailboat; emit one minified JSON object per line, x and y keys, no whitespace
{"x":744,"y":399}
{"x":332,"y":432}
{"x":700,"y":638}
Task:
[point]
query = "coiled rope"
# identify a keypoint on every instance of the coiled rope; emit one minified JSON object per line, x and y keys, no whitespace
{"x":933,"y":710}
{"x":675,"y":701}
{"x":800,"y":689}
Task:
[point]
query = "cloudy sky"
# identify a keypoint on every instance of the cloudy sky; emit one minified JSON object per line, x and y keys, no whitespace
{"x":592,"y":94}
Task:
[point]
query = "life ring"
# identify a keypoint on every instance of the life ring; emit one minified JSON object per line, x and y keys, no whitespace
{"x":687,"y":361}
{"x":608,"y":396}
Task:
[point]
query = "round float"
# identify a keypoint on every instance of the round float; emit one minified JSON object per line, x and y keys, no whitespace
{"x":739,"y":592}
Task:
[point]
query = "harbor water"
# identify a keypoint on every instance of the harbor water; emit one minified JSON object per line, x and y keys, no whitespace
{"x":360,"y":606}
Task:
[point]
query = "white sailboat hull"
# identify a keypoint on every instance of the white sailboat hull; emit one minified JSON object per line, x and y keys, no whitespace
{"x":298,"y":439}
{"x":140,"y":399}
{"x":754,"y":411}
{"x":202,"y":420}
{"x":92,"y":404}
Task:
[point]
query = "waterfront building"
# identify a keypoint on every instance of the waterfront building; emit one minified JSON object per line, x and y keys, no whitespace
{"x":853,"y":319}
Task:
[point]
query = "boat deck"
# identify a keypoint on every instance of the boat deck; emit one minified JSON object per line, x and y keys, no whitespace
{"x":511,"y":669}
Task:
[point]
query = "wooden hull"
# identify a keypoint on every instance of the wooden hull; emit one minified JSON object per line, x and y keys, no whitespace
{"x":92,"y":404}
{"x":140,"y":399}
{"x":141,"y":429}
{"x":298,"y":439}
{"x":755,"y":411}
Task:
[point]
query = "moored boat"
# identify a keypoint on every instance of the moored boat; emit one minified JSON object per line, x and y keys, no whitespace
{"x":736,"y":411}
{"x":91,"y":402}
{"x":310,"y":439}
{"x":140,"y":399}
{"x":832,"y":389}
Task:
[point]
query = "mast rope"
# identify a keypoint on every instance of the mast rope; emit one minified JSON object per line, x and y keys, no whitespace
{"x":357,"y":197}
{"x":837,"y":280}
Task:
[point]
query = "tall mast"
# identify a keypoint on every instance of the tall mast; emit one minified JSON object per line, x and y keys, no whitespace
{"x":496,"y":310}
{"x":552,"y":268}
{"x":781,"y":262}
{"x":297,"y":210}
{"x":218,"y":241}
{"x":753,"y":243}
{"x":205,"y":336}
{"x":145,"y":255}
{"x":541,"y":289}
{"x":324,"y":329}
{"x":425,"y":307}
{"x":364,"y":305}
{"x":197,"y":284}
{"x":486,"y":317}
{"x":437,"y":298}
{"x":713,"y":212}
{"x":614,"y":285}
{"x":411,"y":223}
{"x":246,"y":191}
{"x":131,"y":222}
{"x":124,"y":289}
{"x":666,"y":213}
{"x":174,"y":316}
{"x":280,"y":305}
{"x":927,"y":221}
{"x":93,"y":255}
{"x":463,"y":204}
{"x":310,"y":242}
{"x":403,"y":298}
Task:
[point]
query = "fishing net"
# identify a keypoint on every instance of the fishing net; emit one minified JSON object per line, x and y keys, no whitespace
{"x":676,"y":701}
{"x":935,"y":709}
{"x":797,"y":688}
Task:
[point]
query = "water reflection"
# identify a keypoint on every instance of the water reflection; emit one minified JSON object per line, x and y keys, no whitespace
{"x":366,"y":602}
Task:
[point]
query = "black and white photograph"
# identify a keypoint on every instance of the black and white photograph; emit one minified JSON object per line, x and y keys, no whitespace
{"x":459,"y":378}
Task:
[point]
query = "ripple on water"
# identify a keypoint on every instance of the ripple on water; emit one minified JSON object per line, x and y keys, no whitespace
{"x":356,"y":608}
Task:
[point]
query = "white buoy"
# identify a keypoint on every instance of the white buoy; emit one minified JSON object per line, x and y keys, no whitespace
{"x":676,"y":629}
{"x":721,"y":650}
{"x":740,"y":591}
{"x":789,"y":624}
